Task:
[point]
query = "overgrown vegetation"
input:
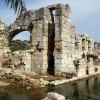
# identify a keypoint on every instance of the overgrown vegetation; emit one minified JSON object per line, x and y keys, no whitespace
{"x":17,"y":45}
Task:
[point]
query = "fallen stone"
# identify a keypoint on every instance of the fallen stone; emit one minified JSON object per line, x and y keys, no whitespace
{"x":46,"y":82}
{"x":58,"y":82}
{"x":4,"y":83}
{"x":54,"y":96}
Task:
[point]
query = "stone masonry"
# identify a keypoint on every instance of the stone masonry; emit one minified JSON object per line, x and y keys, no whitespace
{"x":55,"y":46}
{"x":2,"y":25}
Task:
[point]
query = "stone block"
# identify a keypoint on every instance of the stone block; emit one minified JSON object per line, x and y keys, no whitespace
{"x":60,"y":11}
{"x":60,"y":56}
{"x":59,"y":44}
{"x":57,"y":72}
{"x":59,"y":61}
{"x":44,"y":52}
{"x":43,"y":44}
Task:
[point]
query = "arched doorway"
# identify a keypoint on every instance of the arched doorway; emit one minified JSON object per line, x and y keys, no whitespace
{"x":20,"y":41}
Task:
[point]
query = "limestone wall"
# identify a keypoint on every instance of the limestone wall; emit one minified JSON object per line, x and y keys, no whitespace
{"x":2,"y":25}
{"x":97,"y":47}
{"x":64,"y":40}
{"x":56,"y":48}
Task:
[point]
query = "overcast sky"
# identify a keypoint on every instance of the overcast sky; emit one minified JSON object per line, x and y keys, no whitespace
{"x":85,"y":14}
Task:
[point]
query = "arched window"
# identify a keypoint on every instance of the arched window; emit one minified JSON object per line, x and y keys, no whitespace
{"x":21,"y":41}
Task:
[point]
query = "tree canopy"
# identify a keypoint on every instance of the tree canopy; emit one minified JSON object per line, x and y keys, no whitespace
{"x":17,"y":5}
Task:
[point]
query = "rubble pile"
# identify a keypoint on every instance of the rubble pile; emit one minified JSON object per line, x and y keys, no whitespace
{"x":23,"y":81}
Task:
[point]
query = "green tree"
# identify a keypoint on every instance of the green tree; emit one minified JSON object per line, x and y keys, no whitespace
{"x":17,"y":5}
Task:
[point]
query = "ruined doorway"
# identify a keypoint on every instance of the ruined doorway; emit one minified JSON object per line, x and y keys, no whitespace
{"x":20,"y":41}
{"x":51,"y":42}
{"x":51,"y":46}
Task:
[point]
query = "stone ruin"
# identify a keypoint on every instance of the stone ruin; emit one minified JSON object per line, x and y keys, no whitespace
{"x":2,"y":25}
{"x":56,"y":48}
{"x":97,"y":47}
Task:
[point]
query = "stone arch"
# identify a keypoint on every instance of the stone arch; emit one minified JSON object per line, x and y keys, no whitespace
{"x":15,"y":32}
{"x":22,"y":23}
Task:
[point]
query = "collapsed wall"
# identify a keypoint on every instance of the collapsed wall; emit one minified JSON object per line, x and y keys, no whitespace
{"x":2,"y":25}
{"x":55,"y":47}
{"x":97,"y":47}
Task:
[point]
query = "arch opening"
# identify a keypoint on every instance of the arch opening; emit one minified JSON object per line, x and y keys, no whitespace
{"x":20,"y":41}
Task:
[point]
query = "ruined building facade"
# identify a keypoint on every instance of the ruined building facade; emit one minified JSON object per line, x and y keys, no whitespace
{"x":55,"y":46}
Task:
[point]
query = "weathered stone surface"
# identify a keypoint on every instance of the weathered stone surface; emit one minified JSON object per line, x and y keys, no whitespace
{"x":55,"y":46}
{"x":2,"y":25}
{"x":54,"y":96}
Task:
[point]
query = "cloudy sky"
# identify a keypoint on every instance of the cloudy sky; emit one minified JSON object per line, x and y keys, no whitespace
{"x":85,"y":15}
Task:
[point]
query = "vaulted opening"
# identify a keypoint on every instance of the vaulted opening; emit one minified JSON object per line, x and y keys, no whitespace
{"x":20,"y":41}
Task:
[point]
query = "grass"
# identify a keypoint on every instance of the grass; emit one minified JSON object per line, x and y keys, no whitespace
{"x":13,"y":49}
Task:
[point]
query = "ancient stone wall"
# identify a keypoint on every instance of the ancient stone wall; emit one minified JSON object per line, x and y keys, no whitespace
{"x":2,"y":25}
{"x":64,"y":40}
{"x":55,"y":47}
{"x":97,"y":47}
{"x":84,"y":46}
